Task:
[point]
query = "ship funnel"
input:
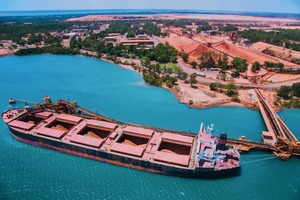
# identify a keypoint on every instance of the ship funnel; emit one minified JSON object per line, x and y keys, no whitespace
{"x":222,"y":141}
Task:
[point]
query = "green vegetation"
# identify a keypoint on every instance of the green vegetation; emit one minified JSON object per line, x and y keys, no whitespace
{"x":49,"y":49}
{"x":287,"y":38}
{"x":119,"y":27}
{"x":170,"y":68}
{"x":169,"y":80}
{"x":185,"y":56}
{"x":292,"y":103}
{"x":296,"y":89}
{"x":213,"y":86}
{"x":278,"y":65}
{"x":212,"y":59}
{"x":178,"y":23}
{"x":152,"y":79}
{"x":291,"y":95}
{"x":163,"y":54}
{"x":285,"y":92}
{"x":150,"y":29}
{"x":193,"y":79}
{"x":228,"y":28}
{"x":37,"y":19}
{"x":230,"y":90}
{"x":255,"y":67}
{"x":132,"y":28}
{"x":194,"y":64}
{"x":15,"y":32}
{"x":240,"y":65}
{"x":203,"y":27}
{"x":153,"y":76}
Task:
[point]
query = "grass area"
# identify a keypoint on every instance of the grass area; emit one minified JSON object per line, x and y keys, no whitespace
{"x":172,"y":66}
{"x":132,"y":55}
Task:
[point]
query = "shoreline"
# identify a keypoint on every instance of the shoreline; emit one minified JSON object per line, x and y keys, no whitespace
{"x":179,"y":96}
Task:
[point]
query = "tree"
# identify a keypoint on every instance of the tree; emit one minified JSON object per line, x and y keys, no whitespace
{"x":228,"y":28}
{"x":35,"y":39}
{"x":152,"y":79}
{"x":278,"y":65}
{"x":213,"y":86}
{"x":209,"y":59}
{"x":194,"y":64}
{"x":296,"y":89}
{"x":185,"y":56}
{"x":231,"y":89}
{"x":193,"y":79}
{"x":285,"y":92}
{"x":130,"y":34}
{"x":255,"y":67}
{"x":223,"y":62}
{"x":203,"y":27}
{"x":182,"y":75}
{"x":162,"y":53}
{"x":173,"y":59}
{"x":146,"y":62}
{"x":240,"y":64}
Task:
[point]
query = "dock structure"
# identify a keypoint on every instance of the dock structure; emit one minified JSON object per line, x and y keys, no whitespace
{"x":278,"y":139}
{"x":278,"y":135}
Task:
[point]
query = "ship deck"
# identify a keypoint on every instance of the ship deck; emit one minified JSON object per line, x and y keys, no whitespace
{"x":162,"y":147}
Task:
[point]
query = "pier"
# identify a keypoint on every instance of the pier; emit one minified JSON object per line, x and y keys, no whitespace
{"x":278,"y":135}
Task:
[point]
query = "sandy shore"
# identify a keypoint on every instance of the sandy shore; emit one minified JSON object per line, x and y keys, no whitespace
{"x":225,"y":17}
{"x":212,"y":17}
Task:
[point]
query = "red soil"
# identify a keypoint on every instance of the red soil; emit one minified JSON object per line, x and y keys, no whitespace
{"x":189,"y":46}
{"x":251,"y":56}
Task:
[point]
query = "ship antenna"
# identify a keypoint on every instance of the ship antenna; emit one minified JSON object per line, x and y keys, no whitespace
{"x":202,"y":129}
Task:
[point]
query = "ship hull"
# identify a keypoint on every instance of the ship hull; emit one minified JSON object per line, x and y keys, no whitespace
{"x":120,"y":160}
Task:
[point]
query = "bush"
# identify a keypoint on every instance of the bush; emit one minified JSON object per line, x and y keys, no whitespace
{"x":231,"y":90}
{"x":213,"y":86}
{"x":191,"y":102}
{"x":240,"y":64}
{"x":235,"y":74}
{"x":235,"y":98}
{"x":296,"y":89}
{"x":285,"y":92}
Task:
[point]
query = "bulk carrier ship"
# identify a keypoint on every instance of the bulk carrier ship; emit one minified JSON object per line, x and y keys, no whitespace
{"x":68,"y":128}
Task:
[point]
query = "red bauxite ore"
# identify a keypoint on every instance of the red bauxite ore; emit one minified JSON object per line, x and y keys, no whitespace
{"x":143,"y":148}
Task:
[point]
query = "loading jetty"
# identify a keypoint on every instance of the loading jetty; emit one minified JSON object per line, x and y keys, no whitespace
{"x":278,"y":134}
{"x":278,"y":138}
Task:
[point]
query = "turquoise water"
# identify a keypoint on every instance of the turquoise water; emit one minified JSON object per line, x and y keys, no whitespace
{"x":292,"y":119}
{"x":28,"y":172}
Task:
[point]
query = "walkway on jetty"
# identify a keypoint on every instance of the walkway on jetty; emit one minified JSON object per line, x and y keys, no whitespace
{"x":278,"y":135}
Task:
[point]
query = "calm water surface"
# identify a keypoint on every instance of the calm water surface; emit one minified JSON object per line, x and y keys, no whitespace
{"x":28,"y":172}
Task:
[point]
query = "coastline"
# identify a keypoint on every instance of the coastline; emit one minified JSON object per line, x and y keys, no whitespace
{"x":180,"y":97}
{"x":178,"y":94}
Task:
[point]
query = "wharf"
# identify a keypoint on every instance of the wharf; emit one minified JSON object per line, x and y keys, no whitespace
{"x":278,"y":135}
